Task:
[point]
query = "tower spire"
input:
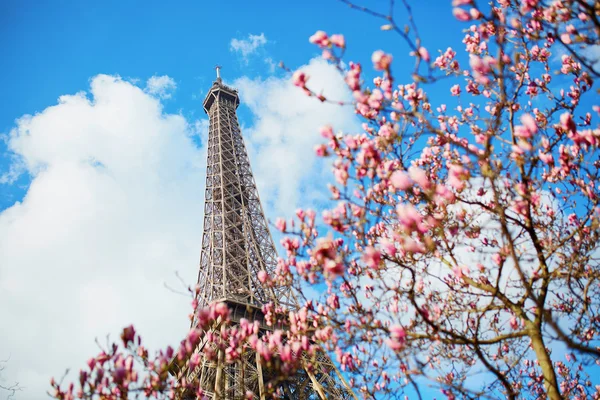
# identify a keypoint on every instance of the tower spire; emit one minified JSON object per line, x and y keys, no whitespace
{"x":218,"y":68}
{"x":236,"y":246}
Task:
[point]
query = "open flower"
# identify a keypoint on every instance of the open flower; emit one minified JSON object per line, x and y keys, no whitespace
{"x":381,"y":60}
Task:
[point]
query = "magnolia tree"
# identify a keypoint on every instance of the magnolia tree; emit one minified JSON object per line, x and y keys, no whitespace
{"x":461,"y":252}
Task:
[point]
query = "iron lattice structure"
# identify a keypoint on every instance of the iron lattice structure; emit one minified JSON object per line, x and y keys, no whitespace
{"x":236,"y":245}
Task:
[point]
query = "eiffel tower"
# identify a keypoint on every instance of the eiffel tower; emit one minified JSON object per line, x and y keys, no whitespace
{"x":236,"y":245}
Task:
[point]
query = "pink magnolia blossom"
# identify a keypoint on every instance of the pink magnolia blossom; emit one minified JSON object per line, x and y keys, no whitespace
{"x":566,"y":120}
{"x":334,"y":268}
{"x":400,"y":180}
{"x":481,"y":68}
{"x":372,"y":257}
{"x":327,"y":132}
{"x":397,"y":338}
{"x":299,"y":79}
{"x":321,"y":150}
{"x":424,"y":54}
{"x":419,"y":177}
{"x":457,"y":175}
{"x":128,"y":335}
{"x":528,"y":5}
{"x":528,"y":129}
{"x":460,"y":271}
{"x":475,"y":13}
{"x":338,"y":40}
{"x":320,"y":38}
{"x":324,"y":250}
{"x":497,"y":258}
{"x":381,"y":60}
{"x":514,"y":324}
{"x":546,"y":158}
{"x":410,"y":219}
{"x":412,"y":246}
{"x":529,"y":123}
{"x":280,"y":224}
{"x":388,"y":246}
{"x":461,"y":14}
{"x":262,"y":276}
{"x":455,"y":90}
{"x":387,"y":131}
{"x":566,"y":38}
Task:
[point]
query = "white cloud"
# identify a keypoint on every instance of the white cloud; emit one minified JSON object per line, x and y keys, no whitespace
{"x":161,"y":86}
{"x":113,"y":209}
{"x":15,"y":170}
{"x":271,"y":65}
{"x":247,"y":47}
{"x":200,"y":128}
{"x":286,"y":129}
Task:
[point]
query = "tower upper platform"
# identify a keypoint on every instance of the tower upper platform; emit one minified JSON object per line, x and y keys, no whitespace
{"x":221,"y":92}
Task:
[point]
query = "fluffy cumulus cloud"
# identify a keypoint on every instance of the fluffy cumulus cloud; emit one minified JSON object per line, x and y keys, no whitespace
{"x":285,"y":131}
{"x":161,"y":86}
{"x":249,"y":46}
{"x":113,"y":210}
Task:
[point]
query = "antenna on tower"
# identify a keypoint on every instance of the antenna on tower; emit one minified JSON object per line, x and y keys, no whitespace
{"x":218,"y":68}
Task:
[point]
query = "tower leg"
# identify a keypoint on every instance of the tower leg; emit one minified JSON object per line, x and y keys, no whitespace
{"x":261,"y":381}
{"x":316,"y":385}
{"x":219,"y":395}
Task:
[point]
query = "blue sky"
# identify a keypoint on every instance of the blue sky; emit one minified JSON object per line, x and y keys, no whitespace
{"x":54,"y":48}
{"x":101,"y":242}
